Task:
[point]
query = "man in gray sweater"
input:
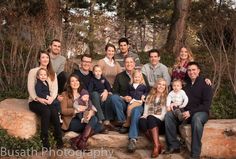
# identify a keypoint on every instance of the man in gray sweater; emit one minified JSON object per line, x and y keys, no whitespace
{"x":58,"y":63}
{"x":154,"y":69}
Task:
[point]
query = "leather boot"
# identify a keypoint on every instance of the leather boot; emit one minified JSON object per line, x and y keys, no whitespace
{"x":148,"y":135}
{"x":156,"y":143}
{"x":74,"y":141}
{"x":88,"y":131}
{"x":45,"y":143}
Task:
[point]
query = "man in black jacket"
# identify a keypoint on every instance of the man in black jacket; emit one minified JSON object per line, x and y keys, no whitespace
{"x":196,"y":112}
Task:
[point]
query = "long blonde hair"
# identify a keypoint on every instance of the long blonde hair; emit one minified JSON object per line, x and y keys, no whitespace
{"x":190,"y":56}
{"x":153,"y":93}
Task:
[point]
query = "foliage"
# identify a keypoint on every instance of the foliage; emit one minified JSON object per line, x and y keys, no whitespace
{"x":13,"y":143}
{"x":224,"y":104}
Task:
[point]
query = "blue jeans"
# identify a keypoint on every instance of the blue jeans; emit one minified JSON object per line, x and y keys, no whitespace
{"x":118,"y":106}
{"x":135,"y":115}
{"x":197,"y":122}
{"x":77,"y":126}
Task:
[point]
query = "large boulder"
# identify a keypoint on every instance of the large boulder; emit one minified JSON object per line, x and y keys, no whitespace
{"x":219,"y":138}
{"x":17,"y":119}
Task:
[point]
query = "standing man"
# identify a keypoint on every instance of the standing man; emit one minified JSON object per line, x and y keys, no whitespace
{"x":119,"y":101}
{"x":58,"y":63}
{"x":124,"y":51}
{"x":196,"y":112}
{"x":154,"y":69}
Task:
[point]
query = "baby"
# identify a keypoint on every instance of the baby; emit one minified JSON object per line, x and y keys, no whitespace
{"x":177,"y":99}
{"x":85,"y":102}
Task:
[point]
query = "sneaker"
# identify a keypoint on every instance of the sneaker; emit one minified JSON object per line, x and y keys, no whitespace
{"x":132,"y":145}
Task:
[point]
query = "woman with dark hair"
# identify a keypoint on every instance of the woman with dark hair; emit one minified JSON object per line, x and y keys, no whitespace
{"x":110,"y":68}
{"x":43,"y":107}
{"x":71,"y":122}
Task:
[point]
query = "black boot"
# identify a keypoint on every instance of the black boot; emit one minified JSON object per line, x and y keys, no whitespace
{"x":74,"y":141}
{"x":45,"y":142}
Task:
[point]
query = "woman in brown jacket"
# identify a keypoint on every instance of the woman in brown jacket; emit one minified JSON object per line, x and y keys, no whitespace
{"x":73,"y":123}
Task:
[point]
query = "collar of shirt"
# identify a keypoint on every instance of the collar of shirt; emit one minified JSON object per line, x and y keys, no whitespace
{"x":154,"y":67}
{"x":83,"y":72}
{"x":109,"y":62}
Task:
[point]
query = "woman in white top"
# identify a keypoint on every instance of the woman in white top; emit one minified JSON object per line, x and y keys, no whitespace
{"x":43,"y":107}
{"x":154,"y":112}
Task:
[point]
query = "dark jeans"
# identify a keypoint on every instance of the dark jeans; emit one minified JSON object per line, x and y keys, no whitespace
{"x":77,"y":126}
{"x":197,"y":122}
{"x":96,"y":100}
{"x":48,"y":114}
{"x":61,"y":79}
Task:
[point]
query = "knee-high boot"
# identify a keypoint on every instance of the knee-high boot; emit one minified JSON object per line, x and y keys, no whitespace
{"x":82,"y":143}
{"x":148,"y":135}
{"x":74,"y":141}
{"x":156,"y":143}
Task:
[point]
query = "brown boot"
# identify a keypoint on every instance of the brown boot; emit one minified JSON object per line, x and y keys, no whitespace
{"x":88,"y":131}
{"x":148,"y":135}
{"x":156,"y":143}
{"x":74,"y":141}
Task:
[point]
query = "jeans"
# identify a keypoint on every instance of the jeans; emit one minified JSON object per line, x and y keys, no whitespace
{"x":77,"y":126}
{"x":118,"y":106}
{"x":95,"y":97}
{"x":135,"y":115}
{"x":197,"y":122}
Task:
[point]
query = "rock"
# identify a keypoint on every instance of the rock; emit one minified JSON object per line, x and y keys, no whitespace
{"x":112,"y":140}
{"x":17,"y":119}
{"x":219,"y":138}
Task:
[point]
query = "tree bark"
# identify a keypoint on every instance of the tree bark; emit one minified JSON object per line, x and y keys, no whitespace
{"x":176,"y":35}
{"x":54,"y":18}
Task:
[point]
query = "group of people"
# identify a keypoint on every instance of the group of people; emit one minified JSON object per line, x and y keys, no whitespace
{"x":120,"y":94}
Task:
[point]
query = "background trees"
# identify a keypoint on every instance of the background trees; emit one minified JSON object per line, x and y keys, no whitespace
{"x":85,"y":26}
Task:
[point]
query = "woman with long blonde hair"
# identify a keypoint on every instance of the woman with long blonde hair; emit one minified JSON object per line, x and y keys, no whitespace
{"x":180,"y":66}
{"x":154,"y":112}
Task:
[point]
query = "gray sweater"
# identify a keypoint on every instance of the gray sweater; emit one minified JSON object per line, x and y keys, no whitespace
{"x":58,"y":64}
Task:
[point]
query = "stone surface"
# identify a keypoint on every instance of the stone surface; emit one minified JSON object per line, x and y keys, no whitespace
{"x":219,"y":138}
{"x":17,"y":119}
{"x":112,"y":140}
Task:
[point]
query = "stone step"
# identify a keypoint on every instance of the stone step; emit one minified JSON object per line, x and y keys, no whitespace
{"x":113,"y":140}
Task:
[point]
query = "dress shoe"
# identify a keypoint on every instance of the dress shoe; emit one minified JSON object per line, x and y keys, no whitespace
{"x":173,"y":150}
{"x":124,"y":130}
{"x":111,"y":127}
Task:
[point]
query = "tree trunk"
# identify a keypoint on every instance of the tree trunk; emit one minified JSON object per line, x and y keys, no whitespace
{"x":178,"y":25}
{"x":91,"y":28}
{"x":54,"y":18}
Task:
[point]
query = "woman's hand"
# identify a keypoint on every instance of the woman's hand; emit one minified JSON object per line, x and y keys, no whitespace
{"x":42,"y":100}
{"x":49,"y":100}
{"x":208,"y":81}
{"x":90,"y":114}
{"x":143,"y":98}
{"x":60,"y":98}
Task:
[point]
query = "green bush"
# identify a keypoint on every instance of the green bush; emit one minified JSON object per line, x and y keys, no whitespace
{"x":13,"y":143}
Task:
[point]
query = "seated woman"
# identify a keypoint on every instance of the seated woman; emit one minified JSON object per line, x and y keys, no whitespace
{"x":44,"y":107}
{"x":71,"y":122}
{"x":154,"y":112}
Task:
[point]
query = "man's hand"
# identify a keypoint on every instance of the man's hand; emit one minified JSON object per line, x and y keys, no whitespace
{"x":104,"y":95}
{"x":127,"y":98}
{"x":186,"y":115}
